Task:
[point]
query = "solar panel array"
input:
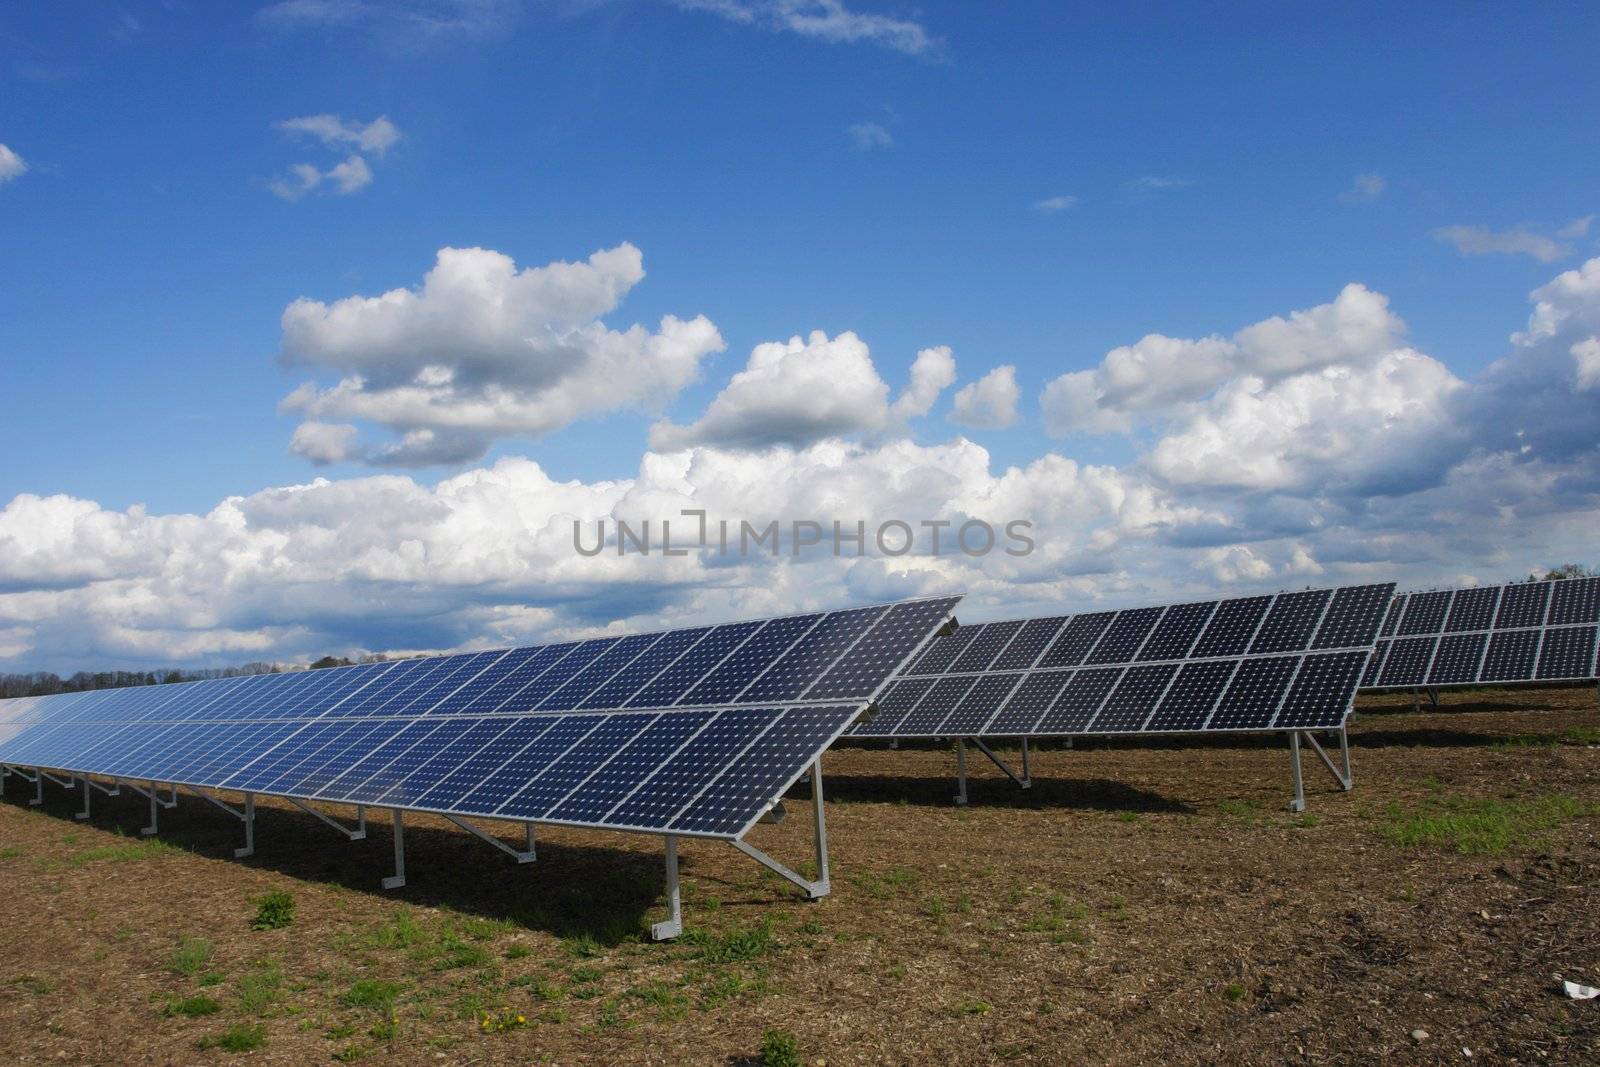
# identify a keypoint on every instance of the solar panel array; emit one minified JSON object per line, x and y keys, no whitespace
{"x":693,"y":732}
{"x":1527,"y":631}
{"x":1289,"y":661}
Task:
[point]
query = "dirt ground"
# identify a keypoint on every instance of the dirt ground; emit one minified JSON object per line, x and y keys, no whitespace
{"x":1140,"y":903}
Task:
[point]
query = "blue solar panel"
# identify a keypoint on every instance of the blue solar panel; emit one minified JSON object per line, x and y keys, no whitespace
{"x":1213,"y":665}
{"x":1526,"y":631}
{"x":493,"y":733}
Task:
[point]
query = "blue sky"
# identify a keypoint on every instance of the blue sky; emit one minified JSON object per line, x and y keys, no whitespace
{"x":1031,"y":185}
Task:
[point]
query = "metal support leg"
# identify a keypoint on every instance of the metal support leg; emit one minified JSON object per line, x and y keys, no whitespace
{"x":822,"y":830}
{"x":1299,"y":801}
{"x":1346,"y":782}
{"x":673,"y":924}
{"x":1433,"y":698}
{"x":1022,"y":783}
{"x":249,"y":848}
{"x":1027,"y":766}
{"x":961,"y":771}
{"x":358,"y":834}
{"x":398,"y":879}
{"x":1416,"y":701}
{"x":246,"y":815}
{"x":520,"y":857}
{"x":820,"y":886}
{"x":528,"y":840}
{"x":38,"y":789}
{"x":87,"y":792}
{"x":156,"y":803}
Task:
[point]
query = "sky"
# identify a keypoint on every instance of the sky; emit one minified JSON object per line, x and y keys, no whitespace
{"x":323,"y":321}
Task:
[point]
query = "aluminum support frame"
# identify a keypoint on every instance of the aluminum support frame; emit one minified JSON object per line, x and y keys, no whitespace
{"x":246,"y":815}
{"x":815,"y":888}
{"x":89,"y":786}
{"x":1024,"y":781}
{"x":527,"y":855}
{"x":1344,"y":777}
{"x":398,"y":879}
{"x":961,"y":772}
{"x":358,"y":834}
{"x":153,"y":794}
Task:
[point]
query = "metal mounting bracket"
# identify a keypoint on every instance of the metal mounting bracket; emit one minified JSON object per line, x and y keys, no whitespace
{"x":526,"y":855}
{"x":398,"y":879}
{"x":358,"y":834}
{"x":1025,"y":780}
{"x":1345,"y":777}
{"x":246,"y":815}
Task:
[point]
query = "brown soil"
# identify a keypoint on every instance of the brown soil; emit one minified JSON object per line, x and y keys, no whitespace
{"x":1139,"y":903}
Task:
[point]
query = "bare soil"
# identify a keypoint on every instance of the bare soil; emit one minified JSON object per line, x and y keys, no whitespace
{"x":1142,"y":902}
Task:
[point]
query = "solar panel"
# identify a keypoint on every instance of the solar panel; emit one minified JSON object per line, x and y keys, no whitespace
{"x":550,"y":733}
{"x":1288,"y":662}
{"x":1522,"y":632}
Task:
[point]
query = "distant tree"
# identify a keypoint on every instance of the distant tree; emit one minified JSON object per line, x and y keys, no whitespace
{"x":1570,"y":570}
{"x":329,"y":661}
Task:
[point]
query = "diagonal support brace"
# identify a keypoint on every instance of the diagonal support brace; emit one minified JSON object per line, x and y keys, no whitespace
{"x":246,"y":815}
{"x":1345,"y":778}
{"x":358,"y":834}
{"x":1024,"y":781}
{"x":153,"y":794}
{"x":89,"y":785}
{"x":821,"y":886}
{"x":526,"y":856}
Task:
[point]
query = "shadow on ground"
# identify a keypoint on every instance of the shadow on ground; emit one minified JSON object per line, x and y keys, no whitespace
{"x":572,"y":891}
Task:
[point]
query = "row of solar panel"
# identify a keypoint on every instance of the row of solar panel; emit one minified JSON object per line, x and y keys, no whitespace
{"x":1523,"y":605}
{"x":842,"y":655}
{"x":1248,"y":693}
{"x":1564,"y":653}
{"x":705,"y":772}
{"x":1314,"y":619}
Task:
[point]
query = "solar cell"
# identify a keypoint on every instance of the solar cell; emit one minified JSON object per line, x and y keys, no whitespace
{"x":1255,"y":694}
{"x":1567,"y":652}
{"x":1177,"y":632}
{"x":1575,"y":600}
{"x":1407,"y":661}
{"x":1291,"y":621}
{"x":672,"y":684}
{"x":1523,"y":605}
{"x":1512,"y":654}
{"x":1076,"y":639}
{"x":1078,"y":701}
{"x":1029,"y":644}
{"x":733,"y":675}
{"x":1125,"y":636}
{"x":898,"y":633}
{"x":1137,"y":693}
{"x":670,"y":787}
{"x":1232,"y":627}
{"x":1458,"y":658}
{"x":631,"y":764}
{"x":1425,"y":613}
{"x":797,"y":670}
{"x":895,"y":704}
{"x":1026,"y":704}
{"x":1193,"y":695}
{"x":979,"y":705}
{"x":1472,"y":609}
{"x":1320,"y":695}
{"x":936,"y":706}
{"x":982,"y":651}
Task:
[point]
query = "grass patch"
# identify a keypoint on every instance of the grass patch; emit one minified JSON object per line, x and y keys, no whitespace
{"x":123,"y":852}
{"x":191,"y":957}
{"x":11,"y":852}
{"x":191,"y":1007}
{"x":1479,"y":827}
{"x":257,"y":991}
{"x":241,"y":1037}
{"x":779,"y":1049}
{"x":400,"y":931}
{"x":736,"y":945}
{"x":371,"y":993}
{"x":273,"y":911}
{"x":1572,"y":735}
{"x":32,"y":983}
{"x":1233,"y":991}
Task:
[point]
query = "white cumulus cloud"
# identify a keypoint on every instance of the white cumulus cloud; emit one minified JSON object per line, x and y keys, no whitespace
{"x":350,"y":174}
{"x":807,"y":389}
{"x":869,"y":135}
{"x":1365,"y":189}
{"x":377,"y":136}
{"x":481,"y":351}
{"x":1158,"y":373}
{"x":990,"y":403}
{"x":11,"y":164}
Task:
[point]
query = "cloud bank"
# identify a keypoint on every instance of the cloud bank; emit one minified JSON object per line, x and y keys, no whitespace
{"x":1313,"y":446}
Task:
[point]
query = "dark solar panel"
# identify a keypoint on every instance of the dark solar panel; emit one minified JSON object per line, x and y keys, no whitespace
{"x":1291,"y":621}
{"x":1136,"y":695}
